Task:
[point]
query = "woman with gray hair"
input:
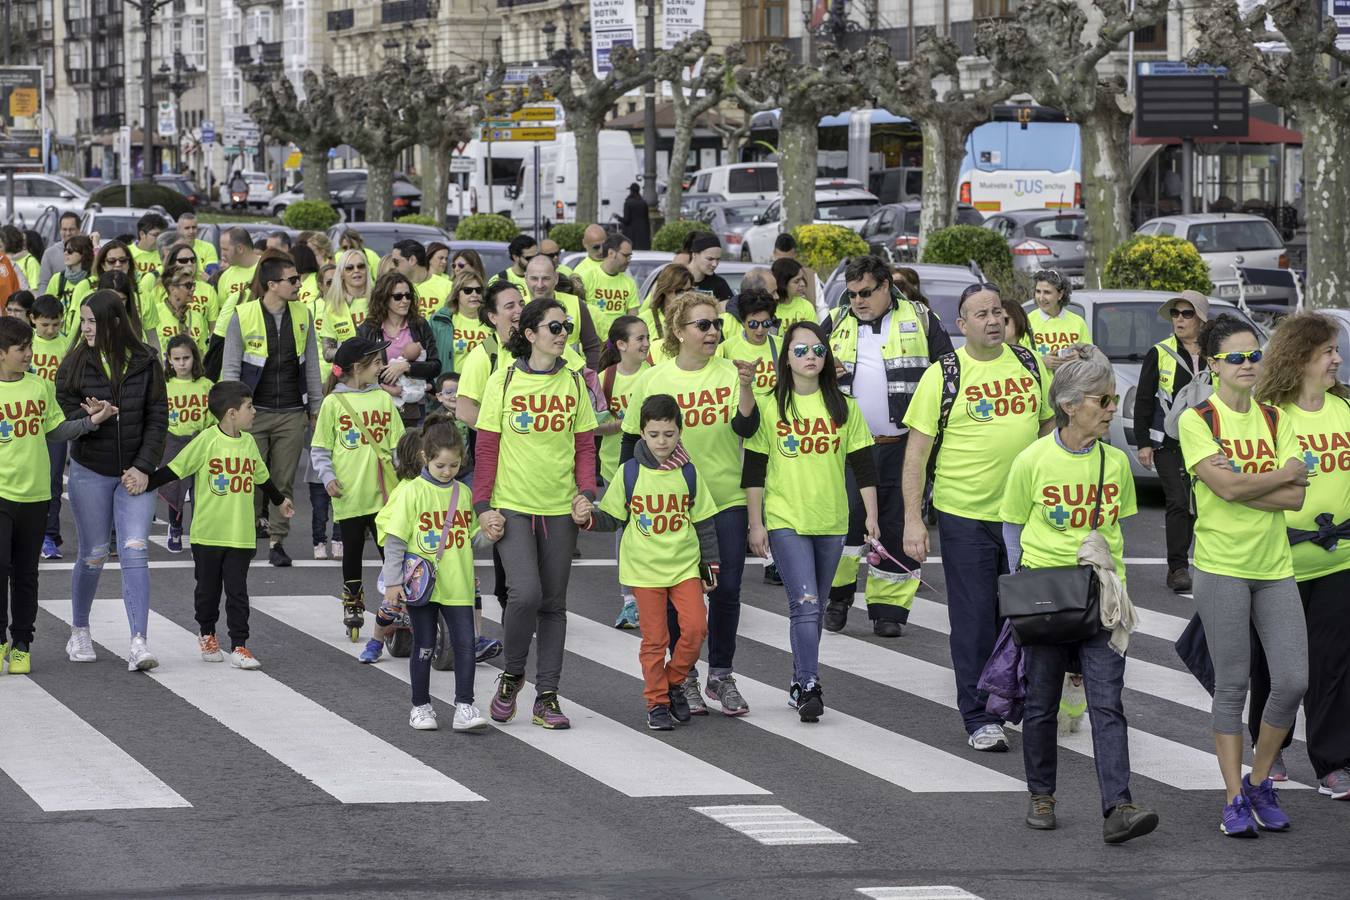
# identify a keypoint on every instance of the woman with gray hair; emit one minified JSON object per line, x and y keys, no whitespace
{"x":1047,"y":511}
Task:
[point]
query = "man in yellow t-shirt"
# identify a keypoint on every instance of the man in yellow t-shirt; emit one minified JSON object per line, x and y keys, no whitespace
{"x":610,"y":291}
{"x":541,"y":281}
{"x":985,"y":404}
{"x":410,"y":259}
{"x":232,"y":286}
{"x":207,"y":260}
{"x":144,"y":253}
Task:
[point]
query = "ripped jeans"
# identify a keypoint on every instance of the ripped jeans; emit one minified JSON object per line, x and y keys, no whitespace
{"x":99,"y":501}
{"x":806,"y":563}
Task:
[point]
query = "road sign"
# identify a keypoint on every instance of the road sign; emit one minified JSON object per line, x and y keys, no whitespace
{"x":535,"y":114}
{"x":165,"y":125}
{"x":519,"y":134}
{"x":1178,"y":67}
{"x":1183,"y":106}
{"x":208,"y":131}
{"x":461,"y":164}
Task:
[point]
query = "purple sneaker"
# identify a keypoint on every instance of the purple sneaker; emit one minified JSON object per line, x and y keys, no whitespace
{"x":1265,"y":805}
{"x":548,"y":713}
{"x":503,"y":708}
{"x":1237,"y":819}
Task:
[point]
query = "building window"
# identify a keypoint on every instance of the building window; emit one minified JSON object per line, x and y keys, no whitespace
{"x":994,"y":9}
{"x":1152,"y":39}
{"x":763,"y":23}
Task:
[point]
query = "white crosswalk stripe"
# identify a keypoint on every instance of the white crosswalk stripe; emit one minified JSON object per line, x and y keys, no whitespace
{"x":64,"y":763}
{"x":773,"y":825}
{"x":596,"y":746}
{"x":918,"y":892}
{"x":340,"y":758}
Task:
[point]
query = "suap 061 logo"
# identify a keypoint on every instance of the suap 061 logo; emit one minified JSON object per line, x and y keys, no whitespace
{"x":431,"y":524}
{"x":655,"y":514}
{"x":1066,"y":506}
{"x":230,"y":475}
{"x":542,"y":413}
{"x":350,"y":435}
{"x":803,"y":437}
{"x":21,"y":419}
{"x":1001,"y":397}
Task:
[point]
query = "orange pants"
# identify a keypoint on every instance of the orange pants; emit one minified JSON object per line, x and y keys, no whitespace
{"x":660,"y":676}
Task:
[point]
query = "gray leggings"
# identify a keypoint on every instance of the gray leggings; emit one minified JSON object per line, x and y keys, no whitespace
{"x":1228,"y":608}
{"x":536,"y":553}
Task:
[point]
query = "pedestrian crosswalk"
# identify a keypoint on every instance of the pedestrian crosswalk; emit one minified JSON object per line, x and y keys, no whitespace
{"x":64,"y":763}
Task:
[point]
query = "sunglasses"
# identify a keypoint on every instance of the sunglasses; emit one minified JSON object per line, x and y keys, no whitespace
{"x":460,"y":264}
{"x":359,"y":267}
{"x":1182,"y":313}
{"x":185,"y":260}
{"x":1238,"y":358}
{"x":293,"y":279}
{"x":817,"y":350}
{"x":557,"y":328}
{"x":704,"y":324}
{"x":187,"y":285}
{"x":1104,"y":400}
{"x":116,"y":261}
{"x":471,"y":290}
{"x":401,"y":295}
{"x":865,"y":292}
{"x":973,"y":289}
{"x":553,"y":256}
{"x":756,"y":324}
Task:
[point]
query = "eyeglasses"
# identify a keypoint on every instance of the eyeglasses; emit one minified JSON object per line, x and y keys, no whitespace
{"x":972,"y":289}
{"x":358,"y":267}
{"x":188,"y":285}
{"x":817,"y":350}
{"x":460,"y":264}
{"x":865,"y":292}
{"x":1182,"y":313}
{"x":704,"y":324}
{"x":756,"y":324}
{"x":292,"y":279}
{"x":1237,"y":358}
{"x":401,"y":295}
{"x":116,"y":261}
{"x":556,"y":328}
{"x":594,"y":248}
{"x":1104,"y":400}
{"x":471,"y":290}
{"x":185,"y":260}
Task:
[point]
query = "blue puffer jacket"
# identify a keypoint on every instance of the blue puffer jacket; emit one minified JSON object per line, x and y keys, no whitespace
{"x":1005,"y":678}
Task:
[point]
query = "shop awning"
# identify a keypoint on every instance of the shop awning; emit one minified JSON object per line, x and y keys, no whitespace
{"x":1259,"y":131}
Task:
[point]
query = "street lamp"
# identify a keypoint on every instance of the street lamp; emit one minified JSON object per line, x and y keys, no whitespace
{"x":550,"y":34}
{"x":177,"y":88}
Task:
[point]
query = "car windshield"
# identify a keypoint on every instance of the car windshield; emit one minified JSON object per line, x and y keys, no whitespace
{"x":742,"y":215}
{"x":836,"y":210}
{"x":1234,"y":237}
{"x":1125,"y":329}
{"x":640,"y":269}
{"x":109,"y":227}
{"x":911,"y":222}
{"x":383,"y":241}
{"x":1059,"y":228}
{"x":753,"y":180}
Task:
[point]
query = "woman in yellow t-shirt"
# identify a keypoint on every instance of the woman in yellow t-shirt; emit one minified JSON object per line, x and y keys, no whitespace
{"x":1054,"y":327}
{"x":535,"y":460}
{"x":345,"y":302}
{"x":674,"y":280}
{"x":1299,"y":376}
{"x":1249,"y":471}
{"x":790,"y":278}
{"x":794,"y":489}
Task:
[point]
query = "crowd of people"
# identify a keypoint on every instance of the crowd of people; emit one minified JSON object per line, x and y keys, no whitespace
{"x":437,"y":408}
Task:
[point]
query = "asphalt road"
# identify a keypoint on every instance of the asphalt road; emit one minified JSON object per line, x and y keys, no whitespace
{"x":305,"y":779}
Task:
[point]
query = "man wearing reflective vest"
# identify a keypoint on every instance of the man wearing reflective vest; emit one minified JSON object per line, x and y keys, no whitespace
{"x":882,"y":345}
{"x":270,"y":346}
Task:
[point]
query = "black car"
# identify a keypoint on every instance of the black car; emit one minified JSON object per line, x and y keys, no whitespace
{"x":184,"y":185}
{"x":350,"y":200}
{"x":892,"y":232}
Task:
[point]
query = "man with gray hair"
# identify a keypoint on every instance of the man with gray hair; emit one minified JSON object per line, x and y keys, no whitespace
{"x":974,"y":412}
{"x":541,"y":280}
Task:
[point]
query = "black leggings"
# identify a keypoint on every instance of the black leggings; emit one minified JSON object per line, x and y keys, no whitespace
{"x":353,"y":533}
{"x":459,"y":622}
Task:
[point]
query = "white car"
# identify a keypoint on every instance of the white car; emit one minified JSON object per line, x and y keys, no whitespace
{"x":34,"y":192}
{"x":738,"y":181}
{"x":835,"y":205}
{"x":1227,"y":241}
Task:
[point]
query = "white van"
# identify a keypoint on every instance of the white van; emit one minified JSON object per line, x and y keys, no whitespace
{"x":738,"y":181}
{"x":558,"y":179}
{"x":487,"y":190}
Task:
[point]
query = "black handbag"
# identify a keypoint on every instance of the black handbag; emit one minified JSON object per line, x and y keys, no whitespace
{"x":1057,"y":605}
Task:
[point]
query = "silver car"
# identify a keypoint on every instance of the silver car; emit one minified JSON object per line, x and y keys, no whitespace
{"x":729,"y":221}
{"x":1043,"y":239}
{"x":34,"y":192}
{"x":1227,"y":241}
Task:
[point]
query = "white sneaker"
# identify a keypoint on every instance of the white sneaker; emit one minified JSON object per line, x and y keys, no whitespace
{"x":321,"y":551}
{"x":336,"y":551}
{"x":989,"y":738}
{"x":140,"y":659}
{"x":468,"y":718}
{"x":209,"y":648}
{"x":80,"y":647}
{"x":240,"y":658}
{"x":423,"y":718}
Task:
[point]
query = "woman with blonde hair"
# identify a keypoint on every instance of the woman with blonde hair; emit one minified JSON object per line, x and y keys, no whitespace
{"x":1300,"y":378}
{"x":346,"y":301}
{"x":674,"y":279}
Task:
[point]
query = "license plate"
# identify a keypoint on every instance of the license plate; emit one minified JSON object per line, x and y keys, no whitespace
{"x":1256,"y":290}
{"x":1077,"y":281}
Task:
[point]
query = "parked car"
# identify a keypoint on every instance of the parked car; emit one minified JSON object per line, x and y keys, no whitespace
{"x":642,"y":264}
{"x":1229,"y":240}
{"x":381,"y":237}
{"x":184,"y":185}
{"x":1043,"y":239}
{"x":738,"y":181}
{"x":692,"y":204}
{"x":338,"y":180}
{"x":892,"y":232}
{"x":730,"y":221}
{"x":109,"y":221}
{"x":92,"y":185}
{"x":350,"y":200}
{"x":841,"y":204}
{"x":730,"y":270}
{"x":34,"y":192}
{"x":259,"y":190}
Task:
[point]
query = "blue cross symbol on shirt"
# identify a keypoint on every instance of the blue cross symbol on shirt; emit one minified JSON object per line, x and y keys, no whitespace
{"x":644,"y":521}
{"x":1043,"y":349}
{"x":461,"y":344}
{"x":352,"y":435}
{"x":433,"y":539}
{"x":524,"y":420}
{"x":6,"y":430}
{"x":221,"y":483}
{"x":1310,"y":459}
{"x":792,"y":443}
{"x":1060,"y":515}
{"x":173,"y":417}
{"x":984,"y":407}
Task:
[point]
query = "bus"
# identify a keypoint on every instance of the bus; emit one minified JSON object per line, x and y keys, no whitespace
{"x":1033,"y":165}
{"x":874,"y":146}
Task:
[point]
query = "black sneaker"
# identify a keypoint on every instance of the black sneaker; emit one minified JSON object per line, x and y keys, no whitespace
{"x":771,"y":575}
{"x":1179,"y":580}
{"x":836,"y":615}
{"x":260,"y":529}
{"x":810,"y":704}
{"x":658,"y":719}
{"x":887,"y":628}
{"x":679,"y":705}
{"x":279,"y":557}
{"x":1128,"y":821}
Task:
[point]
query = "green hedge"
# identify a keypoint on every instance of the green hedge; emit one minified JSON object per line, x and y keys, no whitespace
{"x":486,"y":227}
{"x":959,"y":245}
{"x":822,"y":246}
{"x":1157,"y":263}
{"x":567,"y":236}
{"x":672,"y":234}
{"x":143,"y":195}
{"x":310,"y":215}
{"x":418,"y":219}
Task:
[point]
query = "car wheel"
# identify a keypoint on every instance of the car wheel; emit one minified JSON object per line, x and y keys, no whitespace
{"x":278,"y":211}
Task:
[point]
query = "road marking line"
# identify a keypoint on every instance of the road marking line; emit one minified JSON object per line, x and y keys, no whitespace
{"x":64,"y":763}
{"x":897,"y":758}
{"x":595,"y":746}
{"x":339,"y":757}
{"x":918,"y":892}
{"x":773,"y":825}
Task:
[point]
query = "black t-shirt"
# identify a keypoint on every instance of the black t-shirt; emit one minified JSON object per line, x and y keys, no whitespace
{"x":716,"y":285}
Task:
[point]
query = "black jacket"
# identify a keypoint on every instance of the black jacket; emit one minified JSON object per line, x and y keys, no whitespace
{"x":427,"y":369}
{"x":134,"y":438}
{"x":636,"y":222}
{"x":1146,"y":411}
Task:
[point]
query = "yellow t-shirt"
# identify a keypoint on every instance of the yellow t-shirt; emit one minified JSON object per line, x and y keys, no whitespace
{"x":432,"y":294}
{"x":227,"y":470}
{"x":341,"y":325}
{"x":997,"y":414}
{"x":232,"y":288}
{"x":659,"y":547}
{"x":193,"y":324}
{"x":468,"y":333}
{"x":1324,"y":439}
{"x":610,"y":444}
{"x":1232,"y":538}
{"x":145,"y":261}
{"x":764,"y":356}
{"x":364,"y":470}
{"x":798,"y":309}
{"x":47,"y":356}
{"x":188,"y":409}
{"x":28,"y":410}
{"x":609,"y":296}
{"x":1051,"y":335}
{"x":538,"y":418}
{"x":416,"y":514}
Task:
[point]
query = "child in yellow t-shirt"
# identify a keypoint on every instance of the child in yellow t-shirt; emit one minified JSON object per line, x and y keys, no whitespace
{"x":188,"y":389}
{"x":49,"y":347}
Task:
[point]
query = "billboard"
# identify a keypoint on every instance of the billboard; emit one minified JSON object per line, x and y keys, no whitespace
{"x":21,"y":116}
{"x":613,"y":24}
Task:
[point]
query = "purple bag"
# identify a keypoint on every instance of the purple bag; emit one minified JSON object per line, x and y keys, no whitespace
{"x":1004,"y":678}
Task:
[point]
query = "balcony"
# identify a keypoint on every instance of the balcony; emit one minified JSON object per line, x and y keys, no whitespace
{"x":78,"y":76}
{"x":341,"y":19}
{"x":271,"y":54}
{"x":244,"y":5}
{"x":393,"y":12}
{"x":107,"y":121}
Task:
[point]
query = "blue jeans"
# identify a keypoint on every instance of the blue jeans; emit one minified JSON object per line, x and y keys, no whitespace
{"x":724,"y":603}
{"x":1103,"y":678}
{"x":806,"y":563}
{"x":973,"y":556}
{"x":459,"y":623}
{"x":57,"y":451}
{"x":320,"y":508}
{"x":99,"y":501}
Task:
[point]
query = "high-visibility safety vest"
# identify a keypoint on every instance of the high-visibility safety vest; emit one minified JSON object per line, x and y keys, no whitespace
{"x":253,"y":331}
{"x":1170,"y":355}
{"x":905,"y":353}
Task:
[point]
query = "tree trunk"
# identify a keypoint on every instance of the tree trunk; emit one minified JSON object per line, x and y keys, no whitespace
{"x":1326,"y":198}
{"x":1105,"y":134}
{"x":314,"y":161}
{"x":682,"y":140}
{"x":943,"y":149}
{"x":797,"y":167}
{"x":379,"y":186}
{"x":588,"y":170}
{"x":438,"y":164}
